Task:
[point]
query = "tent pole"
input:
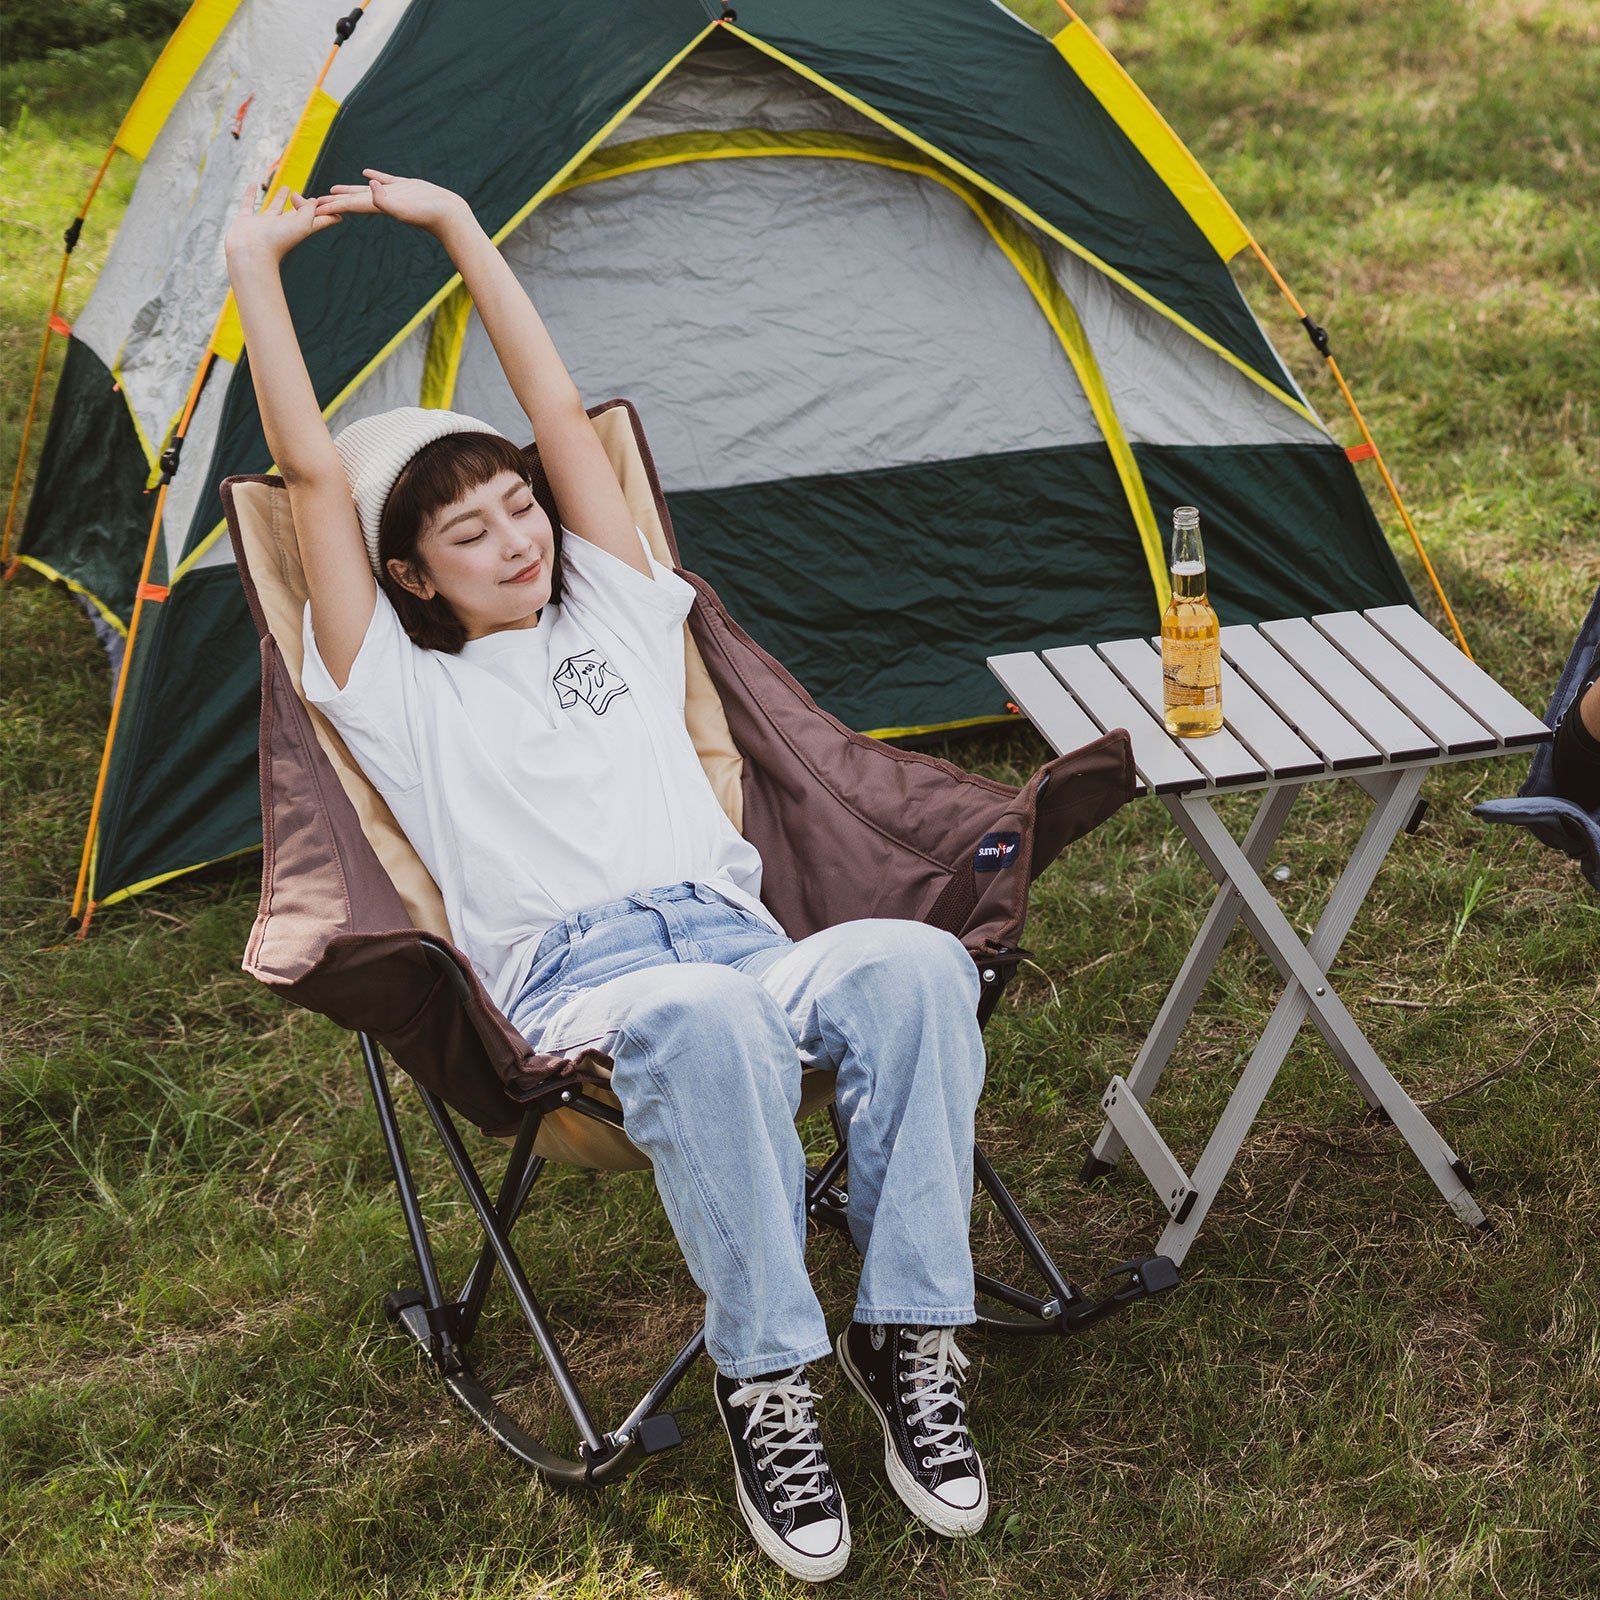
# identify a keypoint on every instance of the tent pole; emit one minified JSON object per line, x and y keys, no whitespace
{"x":52,"y":325}
{"x":145,"y":591}
{"x":77,"y":924}
{"x":345,"y":28}
{"x":1369,"y":445}
{"x":1368,"y":448}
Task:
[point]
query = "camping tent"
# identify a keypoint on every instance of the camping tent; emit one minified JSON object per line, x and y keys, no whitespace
{"x":929,"y":319}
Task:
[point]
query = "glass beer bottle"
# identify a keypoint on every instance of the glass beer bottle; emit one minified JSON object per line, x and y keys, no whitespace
{"x":1191,"y":644}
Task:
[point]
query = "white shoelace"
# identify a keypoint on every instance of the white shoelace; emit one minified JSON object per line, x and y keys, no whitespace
{"x":783,"y":1423}
{"x":935,"y":1367}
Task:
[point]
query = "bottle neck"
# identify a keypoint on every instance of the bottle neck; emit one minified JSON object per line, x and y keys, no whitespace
{"x":1188,"y":555}
{"x":1187,"y":549}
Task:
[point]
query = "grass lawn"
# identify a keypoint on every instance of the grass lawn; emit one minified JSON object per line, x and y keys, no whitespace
{"x":1349,"y":1396}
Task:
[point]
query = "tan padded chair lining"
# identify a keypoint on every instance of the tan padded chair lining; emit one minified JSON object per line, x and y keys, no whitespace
{"x":273,"y":551}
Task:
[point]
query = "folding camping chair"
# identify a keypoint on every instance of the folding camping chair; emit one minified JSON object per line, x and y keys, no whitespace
{"x":351,"y":925}
{"x":1552,"y":820}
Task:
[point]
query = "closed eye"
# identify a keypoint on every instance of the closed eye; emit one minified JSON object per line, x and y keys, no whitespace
{"x":522,"y":511}
{"x":472,"y":539}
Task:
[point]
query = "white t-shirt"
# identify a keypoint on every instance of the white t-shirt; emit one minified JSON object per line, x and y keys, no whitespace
{"x":544,"y":769}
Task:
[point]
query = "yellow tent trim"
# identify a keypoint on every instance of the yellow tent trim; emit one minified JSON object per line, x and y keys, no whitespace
{"x":1029,"y":214}
{"x":166,"y":877}
{"x":152,"y":454}
{"x":77,"y":588}
{"x":195,"y":556}
{"x":1034,"y":270}
{"x":227,"y":339}
{"x":936,"y":727}
{"x":454,"y":281}
{"x":305,"y":143}
{"x":1020,"y":250}
{"x":442,"y":364}
{"x":189,"y":45}
{"x":443,"y":358}
{"x":300,"y":154}
{"x":1125,"y":103}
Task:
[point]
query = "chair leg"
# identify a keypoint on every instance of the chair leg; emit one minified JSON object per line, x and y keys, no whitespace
{"x":437,"y":1334}
{"x":826,"y":1202}
{"x":441,"y":1327}
{"x":522,"y":1169}
{"x":1068,"y":1309}
{"x":1001,"y":1307}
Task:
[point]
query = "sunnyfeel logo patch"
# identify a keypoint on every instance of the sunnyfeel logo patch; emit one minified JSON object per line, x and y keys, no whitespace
{"x":996,"y":851}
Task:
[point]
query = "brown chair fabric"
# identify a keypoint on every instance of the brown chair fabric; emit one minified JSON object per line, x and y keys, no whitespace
{"x":846,"y":827}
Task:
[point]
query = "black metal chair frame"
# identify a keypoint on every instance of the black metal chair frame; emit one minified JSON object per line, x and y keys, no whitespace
{"x":444,"y":1326}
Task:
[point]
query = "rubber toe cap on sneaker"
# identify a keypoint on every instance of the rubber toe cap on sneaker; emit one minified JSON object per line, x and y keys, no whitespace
{"x":961,"y":1494}
{"x":817,"y":1538}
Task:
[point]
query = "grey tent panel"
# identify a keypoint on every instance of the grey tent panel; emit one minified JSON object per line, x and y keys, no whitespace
{"x":725,"y":84}
{"x":164,"y":281}
{"x":1167,"y":388}
{"x":820,"y":317}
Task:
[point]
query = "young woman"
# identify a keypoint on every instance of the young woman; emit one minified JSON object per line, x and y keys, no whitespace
{"x":510,"y":676}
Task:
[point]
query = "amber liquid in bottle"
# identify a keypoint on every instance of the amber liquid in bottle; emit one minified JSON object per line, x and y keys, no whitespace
{"x":1191,"y":641}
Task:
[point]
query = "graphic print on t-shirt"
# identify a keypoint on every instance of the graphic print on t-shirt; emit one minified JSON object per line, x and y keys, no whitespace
{"x":587,"y":677}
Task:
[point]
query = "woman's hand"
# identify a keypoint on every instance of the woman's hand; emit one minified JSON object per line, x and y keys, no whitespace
{"x":414,"y":200}
{"x":272,"y":233}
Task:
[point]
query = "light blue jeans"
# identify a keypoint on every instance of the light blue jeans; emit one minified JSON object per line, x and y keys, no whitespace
{"x":709,"y":1016}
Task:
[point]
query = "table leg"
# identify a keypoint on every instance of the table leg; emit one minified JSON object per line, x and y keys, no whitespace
{"x":1309,"y":989}
{"x":1394,"y":794}
{"x":1182,"y":998}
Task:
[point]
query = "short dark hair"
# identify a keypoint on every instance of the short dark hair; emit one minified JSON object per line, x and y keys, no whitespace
{"x":437,"y":476}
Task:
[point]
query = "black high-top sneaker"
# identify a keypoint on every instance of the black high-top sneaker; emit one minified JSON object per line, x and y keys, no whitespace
{"x":912,"y":1375}
{"x":785,"y":1486}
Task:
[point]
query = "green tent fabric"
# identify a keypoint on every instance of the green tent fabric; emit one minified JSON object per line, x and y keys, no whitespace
{"x":929,"y":319}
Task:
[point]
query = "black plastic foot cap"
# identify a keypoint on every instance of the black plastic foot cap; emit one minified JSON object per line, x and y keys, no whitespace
{"x":402,"y":1300}
{"x":1094,"y":1168}
{"x":656,"y":1434}
{"x":1158,"y":1274}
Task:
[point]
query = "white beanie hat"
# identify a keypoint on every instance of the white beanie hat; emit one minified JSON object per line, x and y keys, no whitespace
{"x":376,"y":449}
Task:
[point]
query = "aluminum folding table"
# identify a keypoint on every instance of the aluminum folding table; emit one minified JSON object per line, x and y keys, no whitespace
{"x":1378,"y":697}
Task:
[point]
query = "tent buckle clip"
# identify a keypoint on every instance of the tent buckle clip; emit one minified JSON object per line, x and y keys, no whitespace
{"x":1317,"y":336}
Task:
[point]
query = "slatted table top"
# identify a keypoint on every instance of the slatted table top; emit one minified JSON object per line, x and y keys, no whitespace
{"x":1302,"y":699}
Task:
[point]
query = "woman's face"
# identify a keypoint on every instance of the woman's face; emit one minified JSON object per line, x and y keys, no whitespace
{"x":489,"y":554}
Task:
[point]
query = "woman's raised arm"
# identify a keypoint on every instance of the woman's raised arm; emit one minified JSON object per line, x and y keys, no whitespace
{"x":586,"y":489}
{"x":343,"y":590}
